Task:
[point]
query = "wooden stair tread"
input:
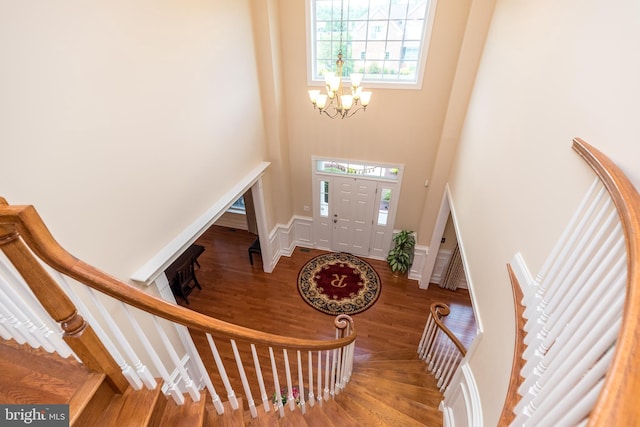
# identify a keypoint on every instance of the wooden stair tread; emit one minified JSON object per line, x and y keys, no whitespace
{"x":339,"y":416}
{"x":420,"y":412}
{"x":264,"y":419}
{"x":131,"y":408}
{"x":83,"y":395}
{"x":230,"y":418}
{"x":407,"y":391}
{"x":169,"y":413}
{"x":370,"y":411}
{"x":401,"y":354}
{"x":416,"y":376}
{"x":316,"y":417}
{"x":293,"y":418}
{"x":36,"y":376}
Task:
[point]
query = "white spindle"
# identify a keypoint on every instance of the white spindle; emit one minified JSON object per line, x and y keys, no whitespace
{"x":427,"y":337}
{"x":17,"y":290}
{"x":334,"y":356}
{"x":263,"y":390}
{"x":276,"y":384}
{"x":231,"y":395}
{"x":243,"y":378}
{"x":301,"y":383}
{"x":452,"y":367}
{"x":591,"y":287}
{"x":319,"y":397}
{"x":23,"y":323}
{"x":179,"y":367}
{"x":127,"y":371}
{"x":546,"y":287}
{"x":311,"y":395}
{"x":327,"y":369}
{"x":573,"y":222}
{"x":570,"y":390}
{"x":287,"y":372}
{"x":572,"y":260}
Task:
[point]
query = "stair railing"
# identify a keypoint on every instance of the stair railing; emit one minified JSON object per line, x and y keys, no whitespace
{"x":576,"y":359}
{"x":439,"y":347}
{"x":114,"y":328}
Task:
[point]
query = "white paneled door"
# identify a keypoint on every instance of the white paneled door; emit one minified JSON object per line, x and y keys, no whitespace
{"x":353,"y":203}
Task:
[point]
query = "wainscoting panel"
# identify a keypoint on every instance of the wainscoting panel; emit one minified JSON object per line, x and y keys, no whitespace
{"x":419,"y":258}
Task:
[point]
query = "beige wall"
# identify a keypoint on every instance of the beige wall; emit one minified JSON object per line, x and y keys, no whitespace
{"x":399,"y":126}
{"x":123,"y":121}
{"x":549,"y":72}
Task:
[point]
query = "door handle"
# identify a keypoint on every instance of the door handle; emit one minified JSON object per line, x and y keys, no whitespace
{"x":335,"y":220}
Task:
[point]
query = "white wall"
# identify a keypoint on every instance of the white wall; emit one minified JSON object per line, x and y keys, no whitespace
{"x":123,"y":121}
{"x":550,"y":71}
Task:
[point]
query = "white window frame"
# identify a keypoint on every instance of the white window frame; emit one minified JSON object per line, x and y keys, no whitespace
{"x":369,"y":83}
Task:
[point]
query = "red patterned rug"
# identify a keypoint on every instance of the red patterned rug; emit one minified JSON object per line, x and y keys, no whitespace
{"x":339,"y":283}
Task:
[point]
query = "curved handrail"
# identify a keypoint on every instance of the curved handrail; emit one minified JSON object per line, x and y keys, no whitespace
{"x":35,"y":233}
{"x":617,"y":404}
{"x":438,"y":311}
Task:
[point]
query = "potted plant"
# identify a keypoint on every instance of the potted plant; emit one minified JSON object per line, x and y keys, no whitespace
{"x":401,"y":254}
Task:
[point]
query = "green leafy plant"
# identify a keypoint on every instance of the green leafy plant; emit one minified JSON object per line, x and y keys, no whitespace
{"x":400,"y":256}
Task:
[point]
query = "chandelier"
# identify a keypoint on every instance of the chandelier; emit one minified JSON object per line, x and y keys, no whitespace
{"x":335,"y":103}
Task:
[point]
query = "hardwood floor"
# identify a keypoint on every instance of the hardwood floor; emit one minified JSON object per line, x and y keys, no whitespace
{"x":236,"y":291}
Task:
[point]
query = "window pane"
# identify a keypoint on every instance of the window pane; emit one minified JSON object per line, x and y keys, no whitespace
{"x":324,"y":198}
{"x":383,"y":211}
{"x":371,"y":30}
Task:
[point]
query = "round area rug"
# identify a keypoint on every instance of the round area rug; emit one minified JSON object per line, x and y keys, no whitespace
{"x":339,"y":283}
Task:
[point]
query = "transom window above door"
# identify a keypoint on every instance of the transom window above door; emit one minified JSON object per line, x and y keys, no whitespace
{"x":357,"y":169}
{"x":384,"y":40}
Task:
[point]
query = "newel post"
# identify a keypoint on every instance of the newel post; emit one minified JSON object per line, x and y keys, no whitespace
{"x":78,"y":334}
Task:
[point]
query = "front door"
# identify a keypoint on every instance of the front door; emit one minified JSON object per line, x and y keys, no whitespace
{"x":353,"y":203}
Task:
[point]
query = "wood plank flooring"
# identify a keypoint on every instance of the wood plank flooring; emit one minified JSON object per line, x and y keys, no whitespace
{"x":236,"y":291}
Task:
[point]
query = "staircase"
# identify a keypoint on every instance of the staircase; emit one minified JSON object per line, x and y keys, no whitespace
{"x":386,"y":389}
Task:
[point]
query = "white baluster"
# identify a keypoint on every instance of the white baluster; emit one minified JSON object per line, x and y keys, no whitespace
{"x":287,"y":371}
{"x":183,"y":374}
{"x":573,"y":223}
{"x":13,"y":325}
{"x":243,"y":378}
{"x":16,"y":290}
{"x":563,"y":246}
{"x":319,"y":397}
{"x":263,"y":390}
{"x":571,"y":390}
{"x":327,"y":369}
{"x":455,"y":362}
{"x":231,"y":395}
{"x":594,"y":336}
{"x":311,"y":395}
{"x":276,"y":384}
{"x":574,"y":258}
{"x":301,"y":383}
{"x":127,"y":371}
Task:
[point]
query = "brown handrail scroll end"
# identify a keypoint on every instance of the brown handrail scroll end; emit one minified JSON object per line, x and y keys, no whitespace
{"x":438,"y":311}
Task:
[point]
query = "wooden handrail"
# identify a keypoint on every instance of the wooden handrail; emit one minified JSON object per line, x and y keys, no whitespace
{"x":617,"y":402}
{"x":34,"y":232}
{"x":438,"y":311}
{"x":513,"y":397}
